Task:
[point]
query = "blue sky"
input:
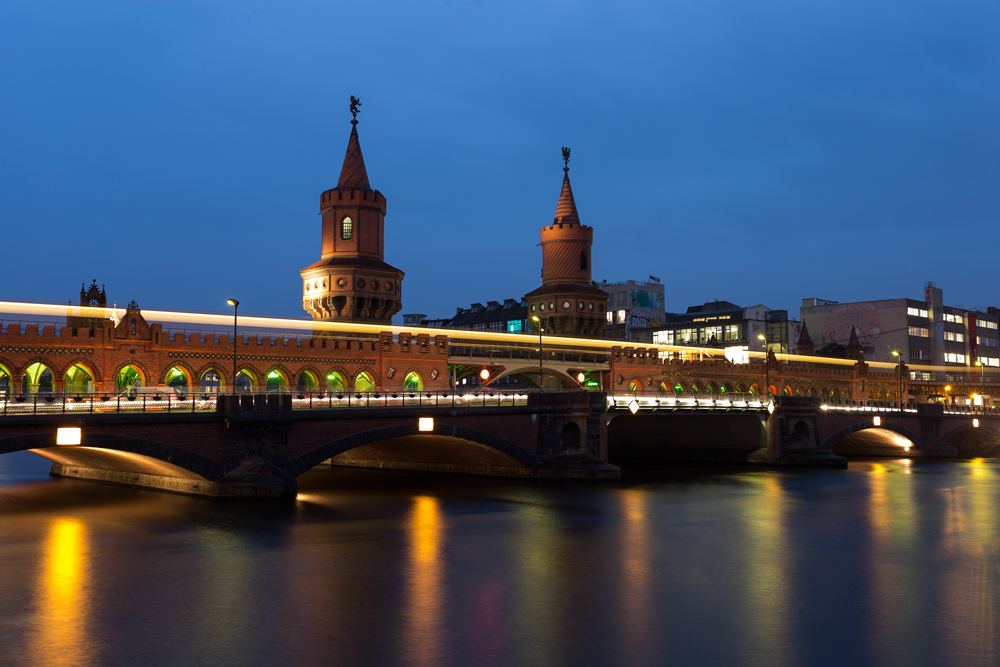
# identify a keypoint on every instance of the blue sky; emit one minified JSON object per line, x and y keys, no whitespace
{"x":746,"y":151}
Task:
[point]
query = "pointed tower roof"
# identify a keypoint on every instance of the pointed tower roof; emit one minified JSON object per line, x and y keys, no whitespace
{"x":854,"y":349}
{"x":353,"y":174}
{"x":804,"y":338}
{"x":805,"y":344}
{"x":566,"y":208}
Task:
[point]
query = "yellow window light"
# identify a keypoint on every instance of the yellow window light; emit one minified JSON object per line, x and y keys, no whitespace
{"x":877,"y":420}
{"x":425,"y":424}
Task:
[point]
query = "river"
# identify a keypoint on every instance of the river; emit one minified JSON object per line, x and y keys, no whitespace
{"x":890,"y":562}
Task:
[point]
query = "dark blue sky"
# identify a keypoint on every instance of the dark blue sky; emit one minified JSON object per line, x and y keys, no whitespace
{"x":741,"y":150}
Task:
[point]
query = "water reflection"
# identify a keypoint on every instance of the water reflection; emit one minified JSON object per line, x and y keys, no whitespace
{"x":969,"y":548}
{"x":424,"y":631}
{"x":61,"y":635}
{"x":767,"y":574}
{"x":636,"y":566}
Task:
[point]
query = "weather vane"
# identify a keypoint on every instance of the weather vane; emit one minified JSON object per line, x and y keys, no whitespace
{"x":566,"y":157}
{"x":355,"y":103}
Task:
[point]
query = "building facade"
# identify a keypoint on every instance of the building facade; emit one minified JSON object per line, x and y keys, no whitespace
{"x":727,"y":325}
{"x":938,"y":342}
{"x":635,"y":309}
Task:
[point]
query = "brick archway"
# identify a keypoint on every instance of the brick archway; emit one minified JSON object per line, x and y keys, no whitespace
{"x":314,"y":457}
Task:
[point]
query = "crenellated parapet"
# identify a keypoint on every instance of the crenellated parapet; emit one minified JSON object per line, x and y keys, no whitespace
{"x":113,"y":358}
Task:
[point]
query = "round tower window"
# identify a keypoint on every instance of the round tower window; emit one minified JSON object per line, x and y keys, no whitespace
{"x":581,"y":305}
{"x":341,"y":282}
{"x":388,"y":286}
{"x":590,"y":305}
{"x":532,"y":307}
{"x":566,"y":305}
{"x":542,"y":306}
{"x":360,"y":282}
{"x":552,"y":306}
{"x":374,"y":284}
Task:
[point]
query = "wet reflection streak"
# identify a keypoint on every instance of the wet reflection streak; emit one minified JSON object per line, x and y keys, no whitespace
{"x":637,"y":614}
{"x":423,"y":637}
{"x":61,"y":635}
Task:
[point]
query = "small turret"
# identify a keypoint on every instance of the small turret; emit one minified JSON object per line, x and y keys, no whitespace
{"x":805,"y":345}
{"x":854,"y":349}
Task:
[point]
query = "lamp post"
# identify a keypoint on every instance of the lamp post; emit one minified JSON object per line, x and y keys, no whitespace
{"x":946,"y":390}
{"x":236,"y":306}
{"x":535,"y":318}
{"x":767,"y":371}
{"x":899,"y":378}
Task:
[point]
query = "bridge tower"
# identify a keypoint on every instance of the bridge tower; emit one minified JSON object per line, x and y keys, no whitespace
{"x":567,"y":303}
{"x":351,"y":282}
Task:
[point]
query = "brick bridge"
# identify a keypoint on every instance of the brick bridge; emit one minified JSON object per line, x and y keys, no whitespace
{"x":256,"y":445}
{"x":798,"y":431}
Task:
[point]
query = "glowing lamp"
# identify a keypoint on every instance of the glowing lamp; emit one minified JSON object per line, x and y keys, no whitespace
{"x":877,"y":420}
{"x":425,"y":424}
{"x":485,"y":374}
{"x":71,"y":436}
{"x":975,"y":424}
{"x":633,"y":406}
{"x":824,"y":407}
{"x":580,"y":377}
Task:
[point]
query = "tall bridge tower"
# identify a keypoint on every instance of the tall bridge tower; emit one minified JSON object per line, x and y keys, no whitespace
{"x":351,"y":282}
{"x":567,"y":303}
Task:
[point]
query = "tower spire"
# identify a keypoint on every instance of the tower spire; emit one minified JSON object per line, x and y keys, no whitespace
{"x":353,"y":175}
{"x":566,"y":208}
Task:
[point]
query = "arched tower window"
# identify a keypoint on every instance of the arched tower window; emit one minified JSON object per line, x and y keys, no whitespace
{"x":346,"y":228}
{"x":583,"y":260}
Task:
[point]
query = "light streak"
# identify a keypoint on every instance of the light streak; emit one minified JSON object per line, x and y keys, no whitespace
{"x":224,"y":323}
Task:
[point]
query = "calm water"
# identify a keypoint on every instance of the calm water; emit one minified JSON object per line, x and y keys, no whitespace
{"x":888,"y":563}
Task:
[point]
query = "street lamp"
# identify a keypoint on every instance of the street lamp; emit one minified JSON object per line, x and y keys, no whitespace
{"x":899,"y":378}
{"x":535,"y":318}
{"x":767,"y":371}
{"x":946,"y":390}
{"x":236,"y":306}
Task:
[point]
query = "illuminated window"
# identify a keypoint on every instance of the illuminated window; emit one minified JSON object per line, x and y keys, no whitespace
{"x":921,"y":332}
{"x":346,"y":228}
{"x":621,"y":317}
{"x":989,"y":342}
{"x":954,"y":358}
{"x":989,"y":325}
{"x":514,"y":326}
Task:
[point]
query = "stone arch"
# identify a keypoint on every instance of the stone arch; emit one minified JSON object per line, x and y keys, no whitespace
{"x":250,"y":371}
{"x":180,"y":458}
{"x":328,"y":450}
{"x":284,"y":377}
{"x":361,"y":373}
{"x":78,"y":379}
{"x":184,"y":366}
{"x":711,"y":388}
{"x":213,"y":368}
{"x":410,"y":372}
{"x":344,"y":377}
{"x":532,"y":372}
{"x":86,"y":363}
{"x":682,"y":388}
{"x":696,"y":387}
{"x":854,"y":428}
{"x":569,"y":439}
{"x":310,"y":377}
{"x":44,"y":361}
{"x":144,"y":373}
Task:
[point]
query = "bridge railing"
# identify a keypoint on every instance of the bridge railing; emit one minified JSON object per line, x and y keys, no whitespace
{"x":170,"y":401}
